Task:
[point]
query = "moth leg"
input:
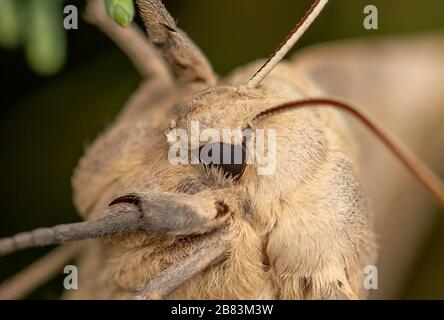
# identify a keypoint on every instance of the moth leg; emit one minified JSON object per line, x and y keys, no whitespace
{"x":319,"y":247}
{"x":328,"y":283}
{"x":189,"y":63}
{"x":131,"y":40}
{"x":169,"y":280}
{"x":323,"y":260}
{"x":38,"y":272}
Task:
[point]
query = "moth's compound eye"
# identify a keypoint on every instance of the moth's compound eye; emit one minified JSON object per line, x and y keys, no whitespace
{"x":230,"y":158}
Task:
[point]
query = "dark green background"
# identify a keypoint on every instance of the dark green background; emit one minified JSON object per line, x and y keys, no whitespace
{"x":46,"y":122}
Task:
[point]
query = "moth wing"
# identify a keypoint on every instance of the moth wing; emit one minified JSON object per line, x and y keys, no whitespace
{"x":401,"y":82}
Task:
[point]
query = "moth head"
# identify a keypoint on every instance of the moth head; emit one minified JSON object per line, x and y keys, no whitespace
{"x":128,"y":169}
{"x":124,"y":160}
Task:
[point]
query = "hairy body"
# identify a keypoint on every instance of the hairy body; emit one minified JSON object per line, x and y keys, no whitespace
{"x":306,"y":229}
{"x":190,"y":231}
{"x":328,"y":158}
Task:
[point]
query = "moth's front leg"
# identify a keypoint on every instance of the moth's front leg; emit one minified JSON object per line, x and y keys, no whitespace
{"x":322,"y":238}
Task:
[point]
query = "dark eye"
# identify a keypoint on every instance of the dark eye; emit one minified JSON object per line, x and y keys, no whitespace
{"x":230,"y":158}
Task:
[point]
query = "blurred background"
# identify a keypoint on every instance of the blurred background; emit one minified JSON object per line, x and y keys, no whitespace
{"x":49,"y":113}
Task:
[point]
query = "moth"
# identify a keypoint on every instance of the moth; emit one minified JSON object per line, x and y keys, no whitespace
{"x":222,"y":230}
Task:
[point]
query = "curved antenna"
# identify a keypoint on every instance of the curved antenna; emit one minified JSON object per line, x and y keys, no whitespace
{"x":415,"y":165}
{"x":286,"y":45}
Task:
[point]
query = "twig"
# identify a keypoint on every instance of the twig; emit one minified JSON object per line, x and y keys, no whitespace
{"x":37,"y":273}
{"x":131,"y":40}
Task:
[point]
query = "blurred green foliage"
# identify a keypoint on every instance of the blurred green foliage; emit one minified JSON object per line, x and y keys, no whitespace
{"x":45,"y":42}
{"x":9,"y":24}
{"x":46,"y":122}
{"x":36,"y":24}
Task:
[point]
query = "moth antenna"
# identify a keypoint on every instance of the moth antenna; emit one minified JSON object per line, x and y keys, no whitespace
{"x":36,"y":274}
{"x":415,"y":165}
{"x":286,"y":45}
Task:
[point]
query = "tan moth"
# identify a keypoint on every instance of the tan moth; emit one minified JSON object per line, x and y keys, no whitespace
{"x":223,"y":231}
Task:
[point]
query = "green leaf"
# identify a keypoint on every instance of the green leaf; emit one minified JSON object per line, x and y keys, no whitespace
{"x":46,"y":44}
{"x":9,"y":24}
{"x":121,"y":11}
